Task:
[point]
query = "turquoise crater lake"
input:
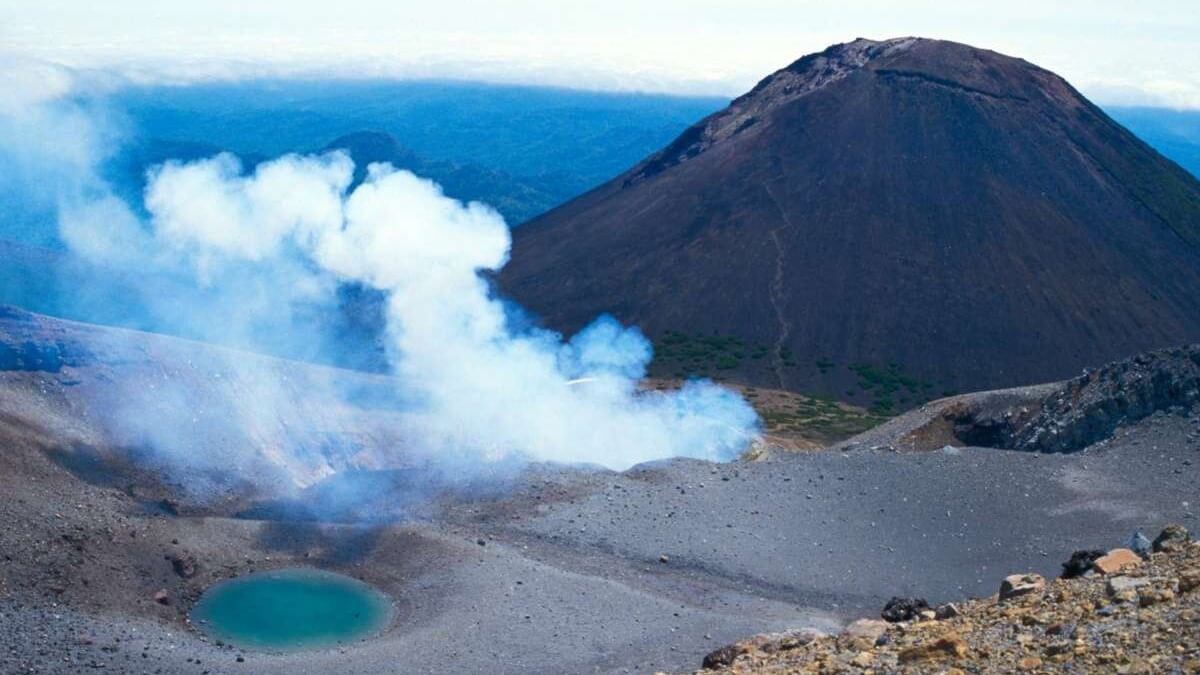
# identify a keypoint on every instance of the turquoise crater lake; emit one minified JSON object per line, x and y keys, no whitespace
{"x":292,"y":609}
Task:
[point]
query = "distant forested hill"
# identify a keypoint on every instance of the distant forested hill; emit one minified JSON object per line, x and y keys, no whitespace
{"x":546,"y":144}
{"x":522,"y":149}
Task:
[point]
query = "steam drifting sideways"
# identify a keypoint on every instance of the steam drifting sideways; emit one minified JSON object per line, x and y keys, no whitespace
{"x":484,"y":389}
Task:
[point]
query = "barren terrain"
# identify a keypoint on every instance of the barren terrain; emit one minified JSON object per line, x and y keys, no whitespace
{"x":550,"y":569}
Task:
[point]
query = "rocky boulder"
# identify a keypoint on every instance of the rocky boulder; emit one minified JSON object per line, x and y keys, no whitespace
{"x":1080,"y":563}
{"x":1116,"y":560}
{"x":903,"y":609}
{"x":769,"y":643}
{"x":1017,"y":585}
{"x":1173,"y":538}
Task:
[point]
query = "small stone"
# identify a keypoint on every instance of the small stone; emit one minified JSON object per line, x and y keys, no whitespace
{"x":868,"y":629}
{"x":903,"y":609}
{"x":1059,"y":648}
{"x":1116,"y":560}
{"x":664,"y":559}
{"x":1139,"y":544}
{"x":720,"y":658}
{"x":1174,"y":537}
{"x":184,"y":565}
{"x":926,"y":615}
{"x":863,"y":660}
{"x":1118,"y":584}
{"x":162,"y":597}
{"x":1136,"y":666}
{"x":1017,"y":585}
{"x":1125,"y":589}
{"x":947,"y":645}
{"x":1189,"y":580}
{"x":1029,"y":663}
{"x":768,"y":643}
{"x":1066,"y":630}
{"x":1154,"y":596}
{"x":946,"y":611}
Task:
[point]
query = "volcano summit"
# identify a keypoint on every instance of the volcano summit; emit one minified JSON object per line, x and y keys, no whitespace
{"x":913,"y":206}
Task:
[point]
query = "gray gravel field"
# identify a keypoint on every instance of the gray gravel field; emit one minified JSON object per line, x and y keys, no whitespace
{"x":571,"y":575}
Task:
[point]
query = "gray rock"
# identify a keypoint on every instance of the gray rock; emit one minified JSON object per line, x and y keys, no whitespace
{"x":1118,"y":584}
{"x":869,"y":629}
{"x":1016,"y":585}
{"x":946,"y":611}
{"x":1139,"y":544}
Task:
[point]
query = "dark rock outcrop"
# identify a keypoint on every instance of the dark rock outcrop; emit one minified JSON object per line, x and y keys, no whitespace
{"x":1082,"y":411}
{"x":1090,"y":407}
{"x":903,"y":609}
{"x":1080,"y":563}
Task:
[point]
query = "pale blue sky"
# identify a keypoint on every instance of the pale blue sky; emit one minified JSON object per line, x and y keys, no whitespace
{"x":1117,"y":51}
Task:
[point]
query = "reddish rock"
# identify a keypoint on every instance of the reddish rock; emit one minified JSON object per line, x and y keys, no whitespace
{"x":1116,"y":560}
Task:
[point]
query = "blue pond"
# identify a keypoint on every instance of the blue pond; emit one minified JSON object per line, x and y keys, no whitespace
{"x":292,"y":609}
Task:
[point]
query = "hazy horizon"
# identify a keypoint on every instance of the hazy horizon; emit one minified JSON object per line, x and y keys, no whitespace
{"x":1115,"y":54}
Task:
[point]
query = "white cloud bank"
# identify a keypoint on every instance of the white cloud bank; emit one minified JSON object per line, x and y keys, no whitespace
{"x":681,"y":46}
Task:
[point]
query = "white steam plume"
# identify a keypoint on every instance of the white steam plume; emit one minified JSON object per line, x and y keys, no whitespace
{"x":256,"y":259}
{"x":483,"y":387}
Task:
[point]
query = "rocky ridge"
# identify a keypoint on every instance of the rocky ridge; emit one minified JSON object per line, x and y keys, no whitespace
{"x":1138,"y":617}
{"x":802,"y":77}
{"x":1062,"y":417}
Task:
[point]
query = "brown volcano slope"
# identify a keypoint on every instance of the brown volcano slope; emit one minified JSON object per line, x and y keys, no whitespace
{"x":887,"y":220}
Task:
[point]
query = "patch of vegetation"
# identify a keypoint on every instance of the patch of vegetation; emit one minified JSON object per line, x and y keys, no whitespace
{"x":891,"y":388}
{"x":886,"y":389}
{"x":787,"y":358}
{"x":886,"y":381}
{"x":683,"y":355}
{"x":817,"y":418}
{"x":727,"y":362}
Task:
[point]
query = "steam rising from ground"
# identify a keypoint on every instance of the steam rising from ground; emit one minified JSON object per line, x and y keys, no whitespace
{"x":269,"y":248}
{"x":480,"y":384}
